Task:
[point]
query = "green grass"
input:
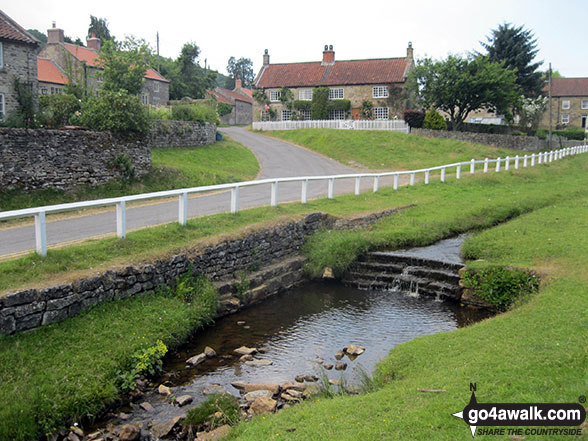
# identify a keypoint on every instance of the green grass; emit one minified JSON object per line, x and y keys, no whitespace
{"x":218,"y":163}
{"x":380,"y":149}
{"x":68,"y":370}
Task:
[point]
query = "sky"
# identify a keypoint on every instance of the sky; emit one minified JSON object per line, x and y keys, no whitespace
{"x":297,"y":31}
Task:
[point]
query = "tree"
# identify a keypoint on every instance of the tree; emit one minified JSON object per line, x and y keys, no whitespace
{"x":516,"y":47}
{"x":187,"y":78}
{"x":99,"y":27}
{"x":459,"y":86}
{"x":124,"y":66}
{"x":42,"y":37}
{"x":243,"y":67}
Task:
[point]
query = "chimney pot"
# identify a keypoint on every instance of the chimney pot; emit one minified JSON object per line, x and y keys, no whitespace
{"x":93,"y":42}
{"x":409,"y":51}
{"x":266,"y":59}
{"x":54,"y":35}
{"x":238,"y":84}
{"x":328,"y":56}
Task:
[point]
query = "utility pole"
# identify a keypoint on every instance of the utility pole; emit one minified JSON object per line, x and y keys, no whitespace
{"x":158,"y":63}
{"x":550,"y":108}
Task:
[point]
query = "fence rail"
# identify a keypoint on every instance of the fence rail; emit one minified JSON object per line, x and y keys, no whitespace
{"x":516,"y":162}
{"x":348,"y":124}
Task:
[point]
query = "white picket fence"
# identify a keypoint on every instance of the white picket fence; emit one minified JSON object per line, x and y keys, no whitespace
{"x":345,"y":124}
{"x":516,"y":162}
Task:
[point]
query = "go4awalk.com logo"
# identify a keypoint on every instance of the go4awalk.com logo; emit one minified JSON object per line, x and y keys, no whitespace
{"x":547,"y":418}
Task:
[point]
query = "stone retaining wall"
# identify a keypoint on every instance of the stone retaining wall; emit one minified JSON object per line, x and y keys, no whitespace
{"x":181,"y":134}
{"x":63,"y":159}
{"x":524,"y":143}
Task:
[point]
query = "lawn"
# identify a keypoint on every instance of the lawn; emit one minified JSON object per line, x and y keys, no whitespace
{"x":385,"y":150}
{"x":218,"y":163}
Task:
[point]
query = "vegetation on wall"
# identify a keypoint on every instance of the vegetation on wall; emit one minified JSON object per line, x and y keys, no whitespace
{"x":56,"y":111}
{"x":319,"y":106}
{"x":199,"y":112}
{"x":24,"y":114}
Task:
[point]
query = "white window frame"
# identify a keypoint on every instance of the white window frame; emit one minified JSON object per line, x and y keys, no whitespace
{"x":275,"y":95}
{"x":380,"y":92}
{"x":565,"y":118}
{"x":383,"y":111}
{"x":156,"y":86}
{"x":305,"y":94}
{"x":1,"y":56}
{"x":2,"y":107}
{"x":336,"y":115}
{"x":306,"y":114}
{"x":145,"y":99}
{"x":287,"y":113}
{"x":584,"y":104}
{"x":336,"y":93}
{"x":565,"y":104}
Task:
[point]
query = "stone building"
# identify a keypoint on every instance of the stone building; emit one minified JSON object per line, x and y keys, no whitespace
{"x":18,"y":59}
{"x":569,"y":101}
{"x":352,"y":80}
{"x":81,"y":63}
{"x":241,"y":100}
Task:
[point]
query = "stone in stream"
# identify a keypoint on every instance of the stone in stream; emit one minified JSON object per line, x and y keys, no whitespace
{"x":296,"y":386}
{"x":318,"y":361}
{"x":163,"y":390}
{"x":183,"y":400}
{"x":161,"y":430}
{"x":340,"y":366}
{"x":196,"y":360}
{"x":328,"y":273}
{"x":251,"y":396}
{"x":328,"y":366}
{"x":129,"y":432}
{"x":250,"y":387}
{"x":339,"y":355}
{"x":216,"y":434}
{"x":259,"y":363}
{"x":334,"y":382}
{"x":311,"y":378}
{"x":79,"y":432}
{"x":288,"y":397}
{"x":263,"y":405}
{"x":147,"y":406}
{"x":353,"y":350}
{"x":299,"y":378}
{"x":209,"y":352}
{"x":294,"y":393}
{"x":246,"y":357}
{"x":72,"y":437}
{"x":214,"y":389}
{"x":244,"y":350}
{"x":241,"y":322}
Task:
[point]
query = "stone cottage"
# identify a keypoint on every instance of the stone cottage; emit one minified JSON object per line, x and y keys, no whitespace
{"x":569,"y":101}
{"x":354,"y":80}
{"x":82,"y":63}
{"x":241,"y":100}
{"x":18,"y":59}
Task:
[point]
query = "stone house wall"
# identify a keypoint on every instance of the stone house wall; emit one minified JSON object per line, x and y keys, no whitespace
{"x":243,"y":112}
{"x":181,"y":134}
{"x":19,"y":60}
{"x":157,"y":92}
{"x":575,"y":112}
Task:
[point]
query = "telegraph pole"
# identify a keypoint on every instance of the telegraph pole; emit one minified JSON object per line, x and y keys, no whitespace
{"x":550,"y":108}
{"x":158,"y":63}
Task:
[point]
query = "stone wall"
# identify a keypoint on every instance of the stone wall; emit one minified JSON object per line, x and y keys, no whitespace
{"x":19,"y":60}
{"x":63,"y":159}
{"x":181,"y":134}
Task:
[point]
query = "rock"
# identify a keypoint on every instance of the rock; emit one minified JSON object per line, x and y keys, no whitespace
{"x":295,"y":393}
{"x":251,"y":396}
{"x":161,"y":430}
{"x":328,"y":366}
{"x":299,"y":378}
{"x":328,"y":273}
{"x":79,"y":432}
{"x":214,"y":389}
{"x":183,"y":400}
{"x":318,"y":361}
{"x":244,"y":350}
{"x":241,"y":322}
{"x":147,"y":406}
{"x":163,"y":390}
{"x":218,"y":433}
{"x":246,"y":327}
{"x":196,"y":360}
{"x":129,"y":432}
{"x":246,"y":357}
{"x":72,"y":437}
{"x":340,"y":366}
{"x":296,"y":386}
{"x":93,"y":436}
{"x":250,"y":387}
{"x":311,"y":378}
{"x":218,"y":414}
{"x":263,"y":405}
{"x":123,"y":416}
{"x":353,"y":350}
{"x":287,"y":397}
{"x":209,"y":352}
{"x":339,"y":355}
{"x":335,"y":382}
{"x":260,"y":362}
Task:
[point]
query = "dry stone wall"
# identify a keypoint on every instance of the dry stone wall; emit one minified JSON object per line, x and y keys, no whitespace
{"x":181,"y":134}
{"x":524,"y":143}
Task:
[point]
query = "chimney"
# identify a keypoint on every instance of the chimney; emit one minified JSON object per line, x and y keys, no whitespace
{"x":409,"y":51}
{"x":266,"y":58}
{"x":54,"y":35}
{"x":328,"y":56}
{"x":93,"y":42}
{"x":237,"y":84}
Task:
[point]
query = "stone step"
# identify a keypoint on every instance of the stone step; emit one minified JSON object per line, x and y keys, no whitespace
{"x":377,"y":267}
{"x":392,"y":258}
{"x":430,"y":274}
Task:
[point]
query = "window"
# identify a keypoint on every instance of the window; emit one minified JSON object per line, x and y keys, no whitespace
{"x":275,"y":95}
{"x":286,"y":115}
{"x":565,"y":104}
{"x":584,"y":104}
{"x":99,"y":78}
{"x":156,"y":100}
{"x":380,"y":92}
{"x":1,"y":106}
{"x":43,"y":91}
{"x":336,"y":114}
{"x":144,"y":98}
{"x":565,"y":119}
{"x":306,"y":115}
{"x":156,"y":86}
{"x":1,"y":59}
{"x":381,"y":112}
{"x":305,"y":95}
{"x":336,"y":94}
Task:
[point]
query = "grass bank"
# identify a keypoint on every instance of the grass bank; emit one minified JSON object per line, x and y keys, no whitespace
{"x":381,"y":149}
{"x":218,"y":163}
{"x":533,"y":353}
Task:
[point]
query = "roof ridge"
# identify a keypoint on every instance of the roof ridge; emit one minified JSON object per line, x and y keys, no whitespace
{"x":19,"y":28}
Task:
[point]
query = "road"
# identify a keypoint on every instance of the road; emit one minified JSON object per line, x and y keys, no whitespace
{"x":277,"y":159}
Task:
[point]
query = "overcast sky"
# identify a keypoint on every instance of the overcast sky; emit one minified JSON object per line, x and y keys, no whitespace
{"x":298,"y":30}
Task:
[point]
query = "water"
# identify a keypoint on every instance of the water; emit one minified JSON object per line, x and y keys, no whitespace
{"x":447,"y":250}
{"x":297,"y":328}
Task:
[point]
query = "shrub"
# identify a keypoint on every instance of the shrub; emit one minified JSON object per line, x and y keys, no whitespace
{"x":414,"y":118}
{"x":302,"y":105}
{"x":434,"y":120}
{"x":144,"y":361}
{"x":189,"y":287}
{"x":224,"y":109}
{"x":160,"y":113}
{"x":319,"y":106}
{"x":195,"y":112}
{"x":367,"y":109}
{"x":57,"y":110}
{"x":116,"y":112}
{"x":202,"y":416}
{"x":339,"y":105}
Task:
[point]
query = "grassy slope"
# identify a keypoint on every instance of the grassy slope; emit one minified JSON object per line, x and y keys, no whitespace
{"x":221,"y":162}
{"x":388,"y":150}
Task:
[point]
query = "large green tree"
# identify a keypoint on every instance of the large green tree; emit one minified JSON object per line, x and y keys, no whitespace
{"x":243,"y":68}
{"x":516,"y":47}
{"x":99,"y":27}
{"x":187,"y":78}
{"x":124,"y":65}
{"x":460,"y":85}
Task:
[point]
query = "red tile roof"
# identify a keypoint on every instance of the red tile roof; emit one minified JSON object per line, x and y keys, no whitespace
{"x":11,"y":30}
{"x":230,"y":96}
{"x":238,"y":96}
{"x":48,"y":72}
{"x":569,"y":87}
{"x":154,"y":75}
{"x":312,"y":74}
{"x":219,"y":97}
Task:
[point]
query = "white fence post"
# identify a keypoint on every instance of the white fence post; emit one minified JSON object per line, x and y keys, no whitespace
{"x":443,"y":174}
{"x":472,"y":166}
{"x":304,"y":195}
{"x":427,"y":173}
{"x":40,"y":234}
{"x":357,"y":186}
{"x":183,"y":208}
{"x":551,"y":156}
{"x":121,"y":220}
{"x":274,"y":195}
{"x":516,"y":162}
{"x":497,"y":165}
{"x":486,"y":165}
{"x":412,"y":179}
{"x":376,"y":183}
{"x":532,"y":159}
{"x":458,"y":171}
{"x":525,"y":161}
{"x":331,"y":188}
{"x":507,"y":163}
{"x":235,"y":199}
{"x":396,"y":177}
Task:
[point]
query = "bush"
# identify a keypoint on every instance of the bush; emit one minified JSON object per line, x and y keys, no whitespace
{"x":195,"y":112}
{"x":57,"y":110}
{"x":160,"y":113}
{"x":117,"y":112}
{"x":414,"y":118}
{"x":224,"y":109}
{"x":202,"y":416}
{"x":434,"y":120}
{"x":319,"y":107}
{"x":302,"y":105}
